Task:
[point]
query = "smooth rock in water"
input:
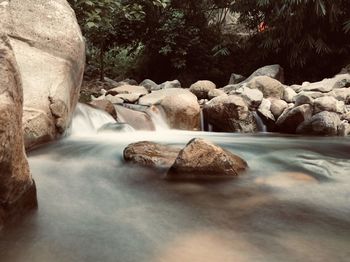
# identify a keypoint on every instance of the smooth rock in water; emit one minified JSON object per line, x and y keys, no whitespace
{"x":201,"y":159}
{"x":277,"y":107}
{"x":303,"y":99}
{"x":50,"y":53}
{"x":268,"y":86}
{"x":128,"y":89}
{"x":150,"y":154}
{"x":324,"y":123}
{"x":201,"y":88}
{"x":182,"y":111}
{"x":289,"y":95}
{"x":293,"y":117}
{"x":129,"y":98}
{"x":170,"y":84}
{"x":230,"y":114}
{"x":116,"y":127}
{"x":138,"y":120}
{"x":156,"y":97}
{"x":149,"y":85}
{"x":236,"y":79}
{"x":104,"y":105}
{"x":215,"y":93}
{"x":17,"y":189}
{"x":328,"y":103}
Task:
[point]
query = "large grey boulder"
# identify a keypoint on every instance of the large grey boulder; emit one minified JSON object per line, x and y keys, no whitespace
{"x":273,"y":71}
{"x":170,"y":84}
{"x":328,"y":103}
{"x":149,"y":85}
{"x":202,"y":159}
{"x":236,"y":79}
{"x":17,"y":189}
{"x":268,"y":86}
{"x":324,"y":123}
{"x":230,"y":114}
{"x":50,"y":53}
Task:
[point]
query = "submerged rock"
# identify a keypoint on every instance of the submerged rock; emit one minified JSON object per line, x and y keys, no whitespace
{"x":150,"y":154}
{"x":203,"y":159}
{"x":17,"y":189}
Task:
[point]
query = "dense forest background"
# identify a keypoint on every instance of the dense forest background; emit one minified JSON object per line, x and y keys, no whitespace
{"x":210,"y":39}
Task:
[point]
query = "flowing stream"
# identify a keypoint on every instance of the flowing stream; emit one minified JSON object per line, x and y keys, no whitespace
{"x":292,"y":205}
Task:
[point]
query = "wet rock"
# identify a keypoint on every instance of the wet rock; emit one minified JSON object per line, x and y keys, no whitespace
{"x":268,"y":86}
{"x":50,"y":54}
{"x":138,"y":120}
{"x":230,"y":114}
{"x":201,"y":159}
{"x":236,"y":79}
{"x":293,"y":117}
{"x":104,"y":105}
{"x":128,"y":89}
{"x":182,"y":111}
{"x":150,"y":154}
{"x":215,"y":93}
{"x":201,"y":88}
{"x":324,"y":123}
{"x":17,"y":189}
{"x":277,"y":107}
{"x":289,"y":95}
{"x":328,"y":103}
{"x":170,"y":84}
{"x":149,"y":85}
{"x":116,"y":127}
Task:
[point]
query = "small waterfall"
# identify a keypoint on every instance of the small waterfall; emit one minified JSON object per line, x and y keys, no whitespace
{"x":88,"y":120}
{"x":158,"y":118}
{"x":260,"y":123}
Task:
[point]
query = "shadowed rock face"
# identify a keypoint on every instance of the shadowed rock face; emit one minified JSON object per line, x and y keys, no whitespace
{"x":202,"y":159}
{"x":50,"y":53}
{"x":17,"y":189}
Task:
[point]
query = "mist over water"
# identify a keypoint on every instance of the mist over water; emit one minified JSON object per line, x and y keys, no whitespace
{"x":292,"y":204}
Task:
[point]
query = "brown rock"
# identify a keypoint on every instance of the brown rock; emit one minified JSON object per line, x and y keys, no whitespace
{"x":203,"y":159}
{"x":104,"y":105}
{"x":17,"y":189}
{"x":292,"y":118}
{"x":201,"y":88}
{"x":150,"y":154}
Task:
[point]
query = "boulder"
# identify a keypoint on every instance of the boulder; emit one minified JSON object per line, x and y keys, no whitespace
{"x":341,"y":94}
{"x":201,"y":88}
{"x":150,"y":154}
{"x":129,"y":98}
{"x":236,"y":79}
{"x":156,"y":97}
{"x":170,"y":84}
{"x":328,"y":103}
{"x":215,"y":93}
{"x":50,"y":53}
{"x":182,"y":111}
{"x":252,"y":96}
{"x":230,"y":114}
{"x":104,"y":105}
{"x":17,"y":189}
{"x":303,"y":99}
{"x":268,"y":86}
{"x":277,"y":107}
{"x":128,"y":89}
{"x":324,"y":123}
{"x":272,"y":71}
{"x":344,"y":128}
{"x":114,"y":99}
{"x":289,"y":95}
{"x":149,"y":85}
{"x":136,"y":119}
{"x":202,"y":159}
{"x":293,"y":117}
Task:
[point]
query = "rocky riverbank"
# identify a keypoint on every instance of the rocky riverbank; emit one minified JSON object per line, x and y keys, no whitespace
{"x":260,"y":102}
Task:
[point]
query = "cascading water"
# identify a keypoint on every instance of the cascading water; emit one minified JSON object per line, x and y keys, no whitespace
{"x":292,"y":205}
{"x":260,"y":123}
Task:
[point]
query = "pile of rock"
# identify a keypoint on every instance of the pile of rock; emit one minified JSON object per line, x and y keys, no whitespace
{"x":199,"y":159}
